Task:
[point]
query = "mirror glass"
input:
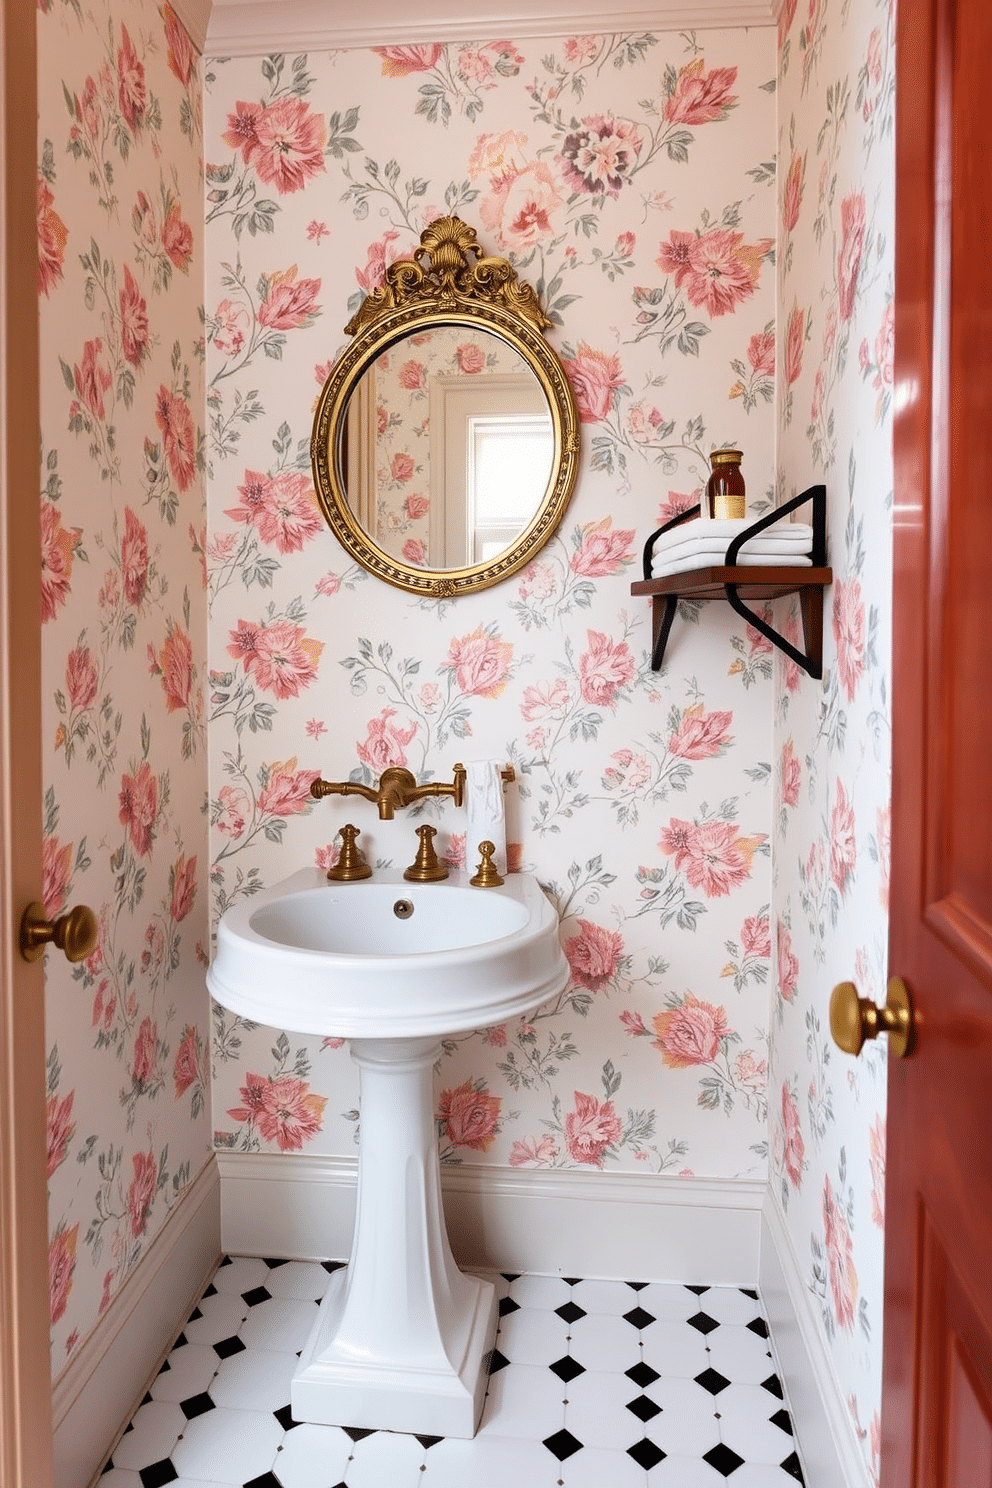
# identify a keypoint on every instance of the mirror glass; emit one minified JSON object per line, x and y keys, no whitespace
{"x":447,"y":446}
{"x":446,"y":439}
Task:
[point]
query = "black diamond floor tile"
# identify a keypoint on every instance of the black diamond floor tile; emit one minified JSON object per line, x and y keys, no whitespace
{"x":723,"y":1458}
{"x":267,"y":1480}
{"x":497,"y":1362}
{"x":759,"y":1326}
{"x":227,"y":1347}
{"x":773,"y":1385}
{"x":567,"y":1368}
{"x":507,"y":1305}
{"x":639,"y":1317}
{"x":699,"y":1290}
{"x":285,"y":1418}
{"x":792,"y":1467}
{"x":644,"y":1408}
{"x":256,"y":1295}
{"x":748,"y":1292}
{"x":712,"y":1380}
{"x":358,"y":1433}
{"x":274,"y":1264}
{"x":562,"y":1445}
{"x":158,"y":1474}
{"x":196,"y":1405}
{"x":429,"y":1441}
{"x":642,"y":1374}
{"x":570,"y":1312}
{"x":210,"y":1292}
{"x":702,"y":1321}
{"x":782,"y":1420}
{"x":646,"y":1454}
{"x":571,"y":1280}
{"x":330,"y":1266}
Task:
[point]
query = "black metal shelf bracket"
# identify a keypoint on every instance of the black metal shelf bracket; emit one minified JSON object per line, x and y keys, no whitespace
{"x":817,"y":496}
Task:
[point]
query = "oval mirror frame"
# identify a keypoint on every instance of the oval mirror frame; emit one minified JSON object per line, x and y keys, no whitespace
{"x":448,"y":282}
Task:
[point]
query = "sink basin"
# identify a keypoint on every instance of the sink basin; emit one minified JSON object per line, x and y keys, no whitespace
{"x":385,"y":958}
{"x":403,"y":1338}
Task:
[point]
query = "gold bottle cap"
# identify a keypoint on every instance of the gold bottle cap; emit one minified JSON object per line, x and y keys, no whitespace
{"x":726,"y":457}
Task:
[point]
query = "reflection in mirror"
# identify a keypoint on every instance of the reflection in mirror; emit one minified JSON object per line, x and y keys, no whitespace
{"x":447,"y":450}
{"x":445,"y":443}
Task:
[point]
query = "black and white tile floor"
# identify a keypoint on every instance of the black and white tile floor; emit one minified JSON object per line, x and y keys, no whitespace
{"x":594,"y":1384}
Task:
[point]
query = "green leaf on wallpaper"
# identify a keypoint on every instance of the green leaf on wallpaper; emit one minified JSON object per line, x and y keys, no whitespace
{"x":273,"y":348}
{"x":677,"y":146}
{"x":670,"y":79}
{"x":710,"y":1093}
{"x":770,"y":86}
{"x":766,"y":171}
{"x":272,"y":67}
{"x":260,"y":571}
{"x":433,"y":103}
{"x":689,"y":913}
{"x":690,"y":337}
{"x":416,"y":187}
{"x":611,"y":1080}
{"x":67,"y":376}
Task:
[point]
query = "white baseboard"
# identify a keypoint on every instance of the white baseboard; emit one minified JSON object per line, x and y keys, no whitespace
{"x":96,"y":1394}
{"x":623,"y":1225}
{"x":829,"y":1450}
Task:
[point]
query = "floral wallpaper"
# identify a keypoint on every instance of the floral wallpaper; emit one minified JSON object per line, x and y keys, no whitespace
{"x":831,"y":757}
{"x":124,"y":633}
{"x":631,"y":180}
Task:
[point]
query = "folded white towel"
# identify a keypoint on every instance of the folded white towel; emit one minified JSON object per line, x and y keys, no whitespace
{"x":781,"y":537}
{"x":670,"y":563}
{"x":485,"y":812}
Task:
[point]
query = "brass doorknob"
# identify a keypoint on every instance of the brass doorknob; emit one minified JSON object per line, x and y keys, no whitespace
{"x":74,"y":933}
{"x":854,"y":1019}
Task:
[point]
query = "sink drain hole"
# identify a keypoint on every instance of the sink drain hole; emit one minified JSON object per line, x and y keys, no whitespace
{"x":403,"y":909}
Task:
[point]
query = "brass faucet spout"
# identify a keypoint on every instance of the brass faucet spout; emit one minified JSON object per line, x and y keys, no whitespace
{"x":397,"y":788}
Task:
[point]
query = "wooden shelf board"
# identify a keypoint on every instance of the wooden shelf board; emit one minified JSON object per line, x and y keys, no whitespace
{"x":751,"y":582}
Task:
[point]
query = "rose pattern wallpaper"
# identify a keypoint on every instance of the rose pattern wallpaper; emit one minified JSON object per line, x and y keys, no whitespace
{"x":832,"y":746}
{"x":124,"y":636}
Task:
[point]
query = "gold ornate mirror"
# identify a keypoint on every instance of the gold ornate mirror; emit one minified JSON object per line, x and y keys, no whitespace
{"x":446,"y":439}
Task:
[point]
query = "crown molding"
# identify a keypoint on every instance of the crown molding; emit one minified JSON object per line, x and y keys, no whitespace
{"x":239,"y":28}
{"x":195,"y":16}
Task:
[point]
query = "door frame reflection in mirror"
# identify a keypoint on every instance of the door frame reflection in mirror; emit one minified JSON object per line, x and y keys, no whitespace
{"x":448,"y":282}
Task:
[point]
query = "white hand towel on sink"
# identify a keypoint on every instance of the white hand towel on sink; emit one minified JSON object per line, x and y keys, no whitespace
{"x":485,"y":812}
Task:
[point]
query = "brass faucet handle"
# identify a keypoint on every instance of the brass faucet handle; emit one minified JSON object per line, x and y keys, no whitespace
{"x":487,"y":876}
{"x":426,"y":868}
{"x":321,"y":788}
{"x":351,"y":864}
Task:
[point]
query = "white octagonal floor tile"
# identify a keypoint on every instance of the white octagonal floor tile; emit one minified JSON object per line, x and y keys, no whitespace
{"x":228,"y":1445}
{"x":155,"y":1429}
{"x":312,"y":1457}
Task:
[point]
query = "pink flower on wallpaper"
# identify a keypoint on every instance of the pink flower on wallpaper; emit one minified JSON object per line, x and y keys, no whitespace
{"x":132,"y":91}
{"x":182,"y":886}
{"x":139,"y":807}
{"x":786,"y":17}
{"x":591,"y":1129}
{"x":644,"y":422}
{"x":792,"y":676}
{"x":61,"y":1265}
{"x":401,"y":61}
{"x":852,"y":220}
{"x":522,"y":206}
{"x":186,"y":1069}
{"x":843,"y":843}
{"x":174,"y":663}
{"x":279,"y":657}
{"x":605,"y":669}
{"x":81,"y":677}
{"x":470,"y":1117}
{"x":795,"y":338}
{"x":690,"y":1033}
{"x":134,"y":558}
{"x":751,"y":1071}
{"x":61,"y":1129}
{"x":143,"y":1058}
{"x":56,"y":873}
{"x":92,"y":377}
{"x":581,"y":49}
{"x":177,"y":236}
{"x":793,"y":1146}
{"x":480,"y":662}
{"x":676,"y":503}
{"x":470,"y":357}
{"x":232,"y":323}
{"x":792,"y":192}
{"x":626,"y":771}
{"x":544,"y":699}
{"x":134,"y":321}
{"x":284,"y":1110}
{"x":233,"y":810}
{"x":144,"y":220}
{"x":412,"y":376}
{"x":814,"y":17}
{"x":478,"y":64}
{"x":788,"y":965}
{"x":717,"y":269}
{"x":175,"y":423}
{"x":848,"y":617}
{"x":141,"y":1191}
{"x":534,"y":1152}
{"x":885,"y":347}
{"x":416,"y":507}
{"x":701,"y":735}
{"x":876,"y":1158}
{"x":180,"y":54}
{"x":593,"y":955}
{"x":414,"y":552}
{"x":385,"y":743}
{"x":401,"y":467}
{"x":634,"y":1024}
{"x":713,"y":856}
{"x":761,"y":353}
{"x":595,"y":376}
{"x":790,"y":774}
{"x":289,"y":302}
{"x":840,"y":1258}
{"x":883,"y":837}
{"x":373,"y":276}
{"x":537,"y":581}
{"x":287,"y":791}
{"x":756,"y":939}
{"x":287,"y":148}
{"x":282,"y":508}
{"x":600,"y":158}
{"x":701,"y":97}
{"x":603,"y":551}
{"x":52,"y":238}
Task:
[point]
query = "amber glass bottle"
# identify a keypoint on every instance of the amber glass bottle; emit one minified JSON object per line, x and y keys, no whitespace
{"x":725,"y":493}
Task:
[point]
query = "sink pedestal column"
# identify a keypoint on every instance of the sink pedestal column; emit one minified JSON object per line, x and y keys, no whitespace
{"x":403,"y":1338}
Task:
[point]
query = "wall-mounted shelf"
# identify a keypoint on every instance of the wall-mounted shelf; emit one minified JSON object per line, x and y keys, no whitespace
{"x":736,"y":584}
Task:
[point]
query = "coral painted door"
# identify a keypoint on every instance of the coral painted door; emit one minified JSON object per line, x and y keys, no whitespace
{"x":937,"y":1410}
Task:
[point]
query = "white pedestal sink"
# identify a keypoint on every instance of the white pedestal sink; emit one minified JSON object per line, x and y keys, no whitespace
{"x":403,"y":1337}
